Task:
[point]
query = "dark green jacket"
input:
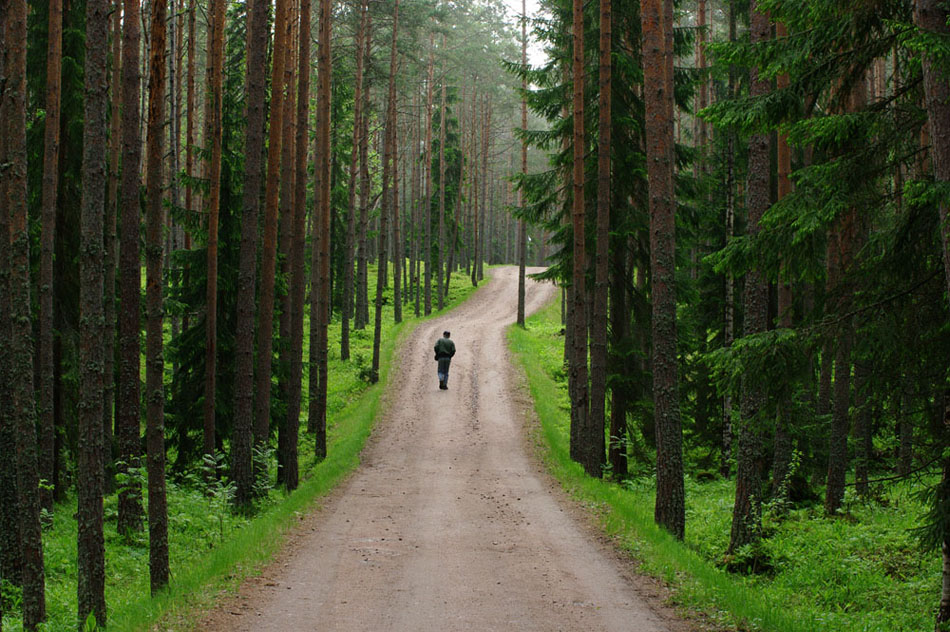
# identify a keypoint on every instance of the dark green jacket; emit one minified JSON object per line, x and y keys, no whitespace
{"x":444,"y":348}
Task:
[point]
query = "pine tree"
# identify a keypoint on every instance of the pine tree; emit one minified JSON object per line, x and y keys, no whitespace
{"x":213,"y":134}
{"x":44,"y":404}
{"x":241,"y":435}
{"x":154,"y":356}
{"x":89,"y":467}
{"x":128,"y":402}
{"x":658,"y":98}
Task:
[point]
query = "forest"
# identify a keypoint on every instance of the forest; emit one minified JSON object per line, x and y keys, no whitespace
{"x":220,"y":213}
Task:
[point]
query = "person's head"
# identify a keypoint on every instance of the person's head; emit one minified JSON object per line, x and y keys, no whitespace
{"x":445,"y":334}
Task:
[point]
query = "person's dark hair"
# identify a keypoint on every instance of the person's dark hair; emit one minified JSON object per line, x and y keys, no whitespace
{"x":445,"y":333}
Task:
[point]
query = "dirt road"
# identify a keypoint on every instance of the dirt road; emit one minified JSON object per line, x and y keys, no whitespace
{"x":449,"y":524}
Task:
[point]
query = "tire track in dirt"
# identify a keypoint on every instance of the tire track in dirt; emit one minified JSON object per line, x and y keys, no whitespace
{"x":448,"y":524}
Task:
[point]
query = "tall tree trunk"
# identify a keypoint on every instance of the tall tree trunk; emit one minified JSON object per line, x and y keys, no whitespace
{"x":932,"y":16}
{"x":598,"y":344}
{"x":729,"y":298}
{"x":414,"y":206}
{"x":266,"y":303}
{"x":578,"y":363}
{"x":287,"y":182}
{"x":21,"y":407}
{"x":862,"y":430}
{"x":298,"y":283}
{"x":128,"y":403}
{"x":782,"y":451}
{"x":746,"y":519}
{"x":427,"y":151}
{"x":320,"y":284}
{"x":670,"y":510}
{"x":480,"y":253}
{"x":190,"y":115}
{"x":352,"y":211}
{"x":241,"y":459}
{"x":44,"y":403}
{"x":213,"y":117}
{"x":619,"y":316}
{"x":392,"y":125}
{"x":522,"y":246}
{"x":441,"y":249}
{"x":363,"y":247}
{"x":109,"y":262}
{"x":154,"y":357}
{"x":841,"y":250}
{"x":11,"y":554}
{"x":91,"y":545}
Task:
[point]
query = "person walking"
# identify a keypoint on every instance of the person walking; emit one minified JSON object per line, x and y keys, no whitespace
{"x":444,"y":350}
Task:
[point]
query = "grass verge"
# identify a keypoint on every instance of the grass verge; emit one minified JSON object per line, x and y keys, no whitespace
{"x":211,"y":548}
{"x":858,"y":573}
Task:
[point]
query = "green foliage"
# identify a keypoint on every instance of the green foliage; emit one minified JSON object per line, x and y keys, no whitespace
{"x":861,"y":572}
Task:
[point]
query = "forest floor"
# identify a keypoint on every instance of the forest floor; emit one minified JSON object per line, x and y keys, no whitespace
{"x":450,"y":523}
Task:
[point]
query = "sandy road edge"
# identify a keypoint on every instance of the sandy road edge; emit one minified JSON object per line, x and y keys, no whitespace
{"x":654,"y":592}
{"x":226,"y":588}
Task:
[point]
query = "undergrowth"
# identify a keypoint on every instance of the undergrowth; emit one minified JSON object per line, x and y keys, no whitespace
{"x":211,"y":547}
{"x":860,"y":572}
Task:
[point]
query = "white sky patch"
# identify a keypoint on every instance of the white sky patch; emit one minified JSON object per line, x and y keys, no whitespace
{"x":536,"y":55}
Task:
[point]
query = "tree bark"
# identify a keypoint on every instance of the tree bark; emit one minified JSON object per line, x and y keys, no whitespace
{"x":427,"y":151}
{"x":109,"y":263}
{"x":578,"y":363}
{"x":213,"y":117}
{"x":44,"y":403}
{"x":287,"y":183}
{"x":670,"y":510}
{"x":298,"y":284}
{"x":392,"y":124}
{"x":522,"y":246}
{"x":932,"y":16}
{"x":441,"y":249}
{"x":154,"y":357}
{"x":598,"y":344}
{"x":352,"y":211}
{"x":362,"y":255}
{"x":91,"y":546}
{"x":128,"y":403}
{"x":21,"y":406}
{"x":266,"y":303}
{"x":746,"y":518}
{"x":320,"y":270}
{"x":241,"y":458}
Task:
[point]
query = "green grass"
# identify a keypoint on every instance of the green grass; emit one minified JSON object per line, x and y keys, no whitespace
{"x":861,"y":573}
{"x":211,"y":548}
